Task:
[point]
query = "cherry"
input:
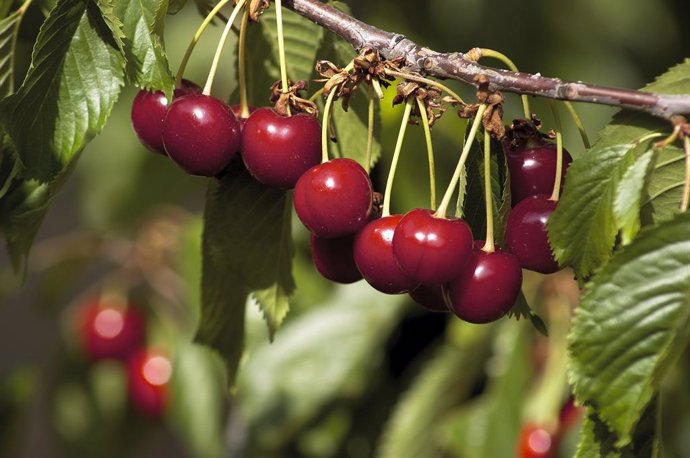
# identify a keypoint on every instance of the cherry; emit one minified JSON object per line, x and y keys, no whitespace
{"x":533,"y":170}
{"x":535,"y":442}
{"x":110,"y":332}
{"x":526,"y":234}
{"x":333,"y":258}
{"x":430,"y":249}
{"x":201,"y":134}
{"x":237,"y":111}
{"x":149,"y":373}
{"x":334,"y":199}
{"x":277,"y":149}
{"x":487,"y":288}
{"x":430,"y":297}
{"x":148,"y":113}
{"x":373,"y":252}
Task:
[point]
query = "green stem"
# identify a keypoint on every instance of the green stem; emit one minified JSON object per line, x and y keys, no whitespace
{"x":556,"y":194}
{"x":488,"y":197}
{"x":578,"y":123}
{"x":511,"y":65}
{"x":396,"y":157}
{"x":370,"y":130}
{"x":195,"y":40}
{"x":648,"y":137}
{"x":421,"y":79}
{"x":324,"y":125}
{"x":316,"y":95}
{"x":556,"y":116}
{"x":686,"y":184}
{"x":219,"y":48}
{"x":24,"y":6}
{"x":430,"y":153}
{"x":281,"y":50}
{"x":443,"y":208}
{"x":242,"y":65}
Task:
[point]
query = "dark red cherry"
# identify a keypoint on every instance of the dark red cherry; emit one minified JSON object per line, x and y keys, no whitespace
{"x":333,"y":258}
{"x":277,"y":149}
{"x":429,"y":249}
{"x":535,"y":442}
{"x":526,"y":234}
{"x":201,"y":134}
{"x":430,"y":297}
{"x":149,"y":373}
{"x":533,"y":170}
{"x":237,"y":111}
{"x":487,"y":287}
{"x":334,"y":199}
{"x":373,"y":252}
{"x":148,"y":113}
{"x":108,"y":331}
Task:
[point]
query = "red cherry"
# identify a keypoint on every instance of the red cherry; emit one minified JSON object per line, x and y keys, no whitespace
{"x":237,"y":111}
{"x":334,"y":199}
{"x":201,"y":134}
{"x":277,"y":149}
{"x":110,"y":332}
{"x":149,"y":373}
{"x":148,"y":113}
{"x":533,"y":170}
{"x":333,"y":258}
{"x":429,"y":249}
{"x":430,"y":297}
{"x":526,"y":234}
{"x":487,"y":288}
{"x":373,"y":251}
{"x":535,"y":442}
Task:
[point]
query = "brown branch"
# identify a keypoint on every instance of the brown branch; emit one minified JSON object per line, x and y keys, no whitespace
{"x":457,"y":66}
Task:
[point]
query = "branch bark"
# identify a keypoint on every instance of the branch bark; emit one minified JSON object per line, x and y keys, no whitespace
{"x":456,"y":66}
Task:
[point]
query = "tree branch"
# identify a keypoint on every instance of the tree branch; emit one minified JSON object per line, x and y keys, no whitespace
{"x":457,"y":66}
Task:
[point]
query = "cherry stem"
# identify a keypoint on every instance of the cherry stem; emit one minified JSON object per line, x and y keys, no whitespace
{"x":219,"y":48}
{"x":430,"y":153}
{"x":281,"y":50}
{"x":578,"y":122}
{"x":511,"y":65}
{"x":489,"y":246}
{"x":556,"y":194}
{"x":396,"y":157}
{"x":421,"y":79}
{"x":370,"y":130}
{"x":324,"y":125}
{"x":648,"y":137}
{"x":443,"y":208}
{"x":686,"y":187}
{"x":22,"y":9}
{"x":242,"y":65}
{"x":195,"y":40}
{"x":376,"y":86}
{"x":316,"y":95}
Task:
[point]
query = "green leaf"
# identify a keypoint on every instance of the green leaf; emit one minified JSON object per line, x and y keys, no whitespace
{"x":175,"y":6}
{"x":521,"y":309}
{"x":631,"y":324}
{"x":665,"y":185}
{"x":9,"y":27}
{"x":629,"y":194}
{"x":75,"y":77}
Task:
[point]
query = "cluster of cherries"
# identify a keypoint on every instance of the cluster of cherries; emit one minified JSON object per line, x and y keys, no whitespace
{"x":109,"y":332}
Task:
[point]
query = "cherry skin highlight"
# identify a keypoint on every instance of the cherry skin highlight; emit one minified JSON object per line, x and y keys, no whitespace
{"x":535,"y":442}
{"x":334,"y":258}
{"x":487,"y":288}
{"x":110,"y":332}
{"x":430,"y":297}
{"x":201,"y":134}
{"x":334,"y":199}
{"x":429,"y":249}
{"x":373,"y":252}
{"x":533,"y":170}
{"x":526,"y":234}
{"x":149,"y":372}
{"x":148,"y":114}
{"x":277,"y":150}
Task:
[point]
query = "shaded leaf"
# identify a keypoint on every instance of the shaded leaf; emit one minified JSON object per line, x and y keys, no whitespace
{"x":628,"y":197}
{"x":9,"y":27}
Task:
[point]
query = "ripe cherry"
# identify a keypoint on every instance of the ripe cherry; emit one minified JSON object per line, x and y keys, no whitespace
{"x":334,"y":199}
{"x":277,"y":150}
{"x":107,"y":331}
{"x":533,"y":170}
{"x":373,"y":252}
{"x":148,"y":113}
{"x":201,"y":134}
{"x":237,"y":111}
{"x":535,"y":442}
{"x":333,"y":258}
{"x":149,"y":373}
{"x":487,"y":287}
{"x":430,"y":297}
{"x":429,"y":249}
{"x":526,"y":234}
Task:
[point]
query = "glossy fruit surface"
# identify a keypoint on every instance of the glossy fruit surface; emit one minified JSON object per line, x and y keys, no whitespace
{"x":430,"y":297}
{"x":533,"y":170}
{"x":201,"y":134}
{"x":487,"y":288}
{"x":334,"y":199}
{"x":535,"y":442}
{"x":277,"y":150}
{"x":110,"y":332}
{"x":429,"y":249}
{"x":526,"y":234}
{"x":148,"y":113}
{"x":333,"y":258}
{"x":149,"y":373}
{"x":373,"y":252}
